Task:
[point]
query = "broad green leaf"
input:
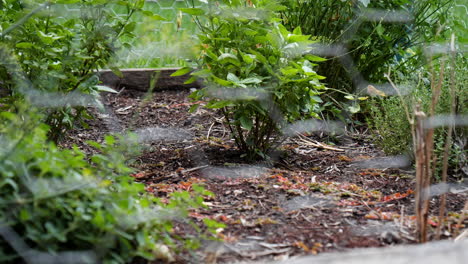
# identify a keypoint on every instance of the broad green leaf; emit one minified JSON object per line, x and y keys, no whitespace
{"x":24,"y":45}
{"x":354,"y":108}
{"x":380,"y":30}
{"x":139,"y":4}
{"x":191,"y":80}
{"x":110,"y":140}
{"x":98,"y":219}
{"x":298,"y":38}
{"x":130,"y":27}
{"x":229,"y":58}
{"x":221,"y":81}
{"x":251,"y":80}
{"x":157,"y":17}
{"x":320,"y":77}
{"x":147,"y":13}
{"x":182,"y":71}
{"x":193,"y":11}
{"x":48,"y":38}
{"x":202,"y":73}
{"x":284,"y":32}
{"x":24,"y":215}
{"x":246,"y":122}
{"x":289,"y":71}
{"x":248,"y":58}
{"x":117,"y":72}
{"x":219,"y":104}
{"x":232,"y":77}
{"x":193,"y":108}
{"x":314,"y":58}
{"x":297,"y":31}
{"x":67,"y":1}
{"x":58,"y":75}
{"x":221,"y":39}
{"x":307,"y":69}
{"x":250,"y":32}
{"x":153,"y":16}
{"x":317,"y":99}
{"x":259,"y":56}
{"x":102,"y":88}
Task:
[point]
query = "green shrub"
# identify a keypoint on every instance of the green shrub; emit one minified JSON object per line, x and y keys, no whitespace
{"x":372,"y":46}
{"x":392,"y":130}
{"x":256,"y":71}
{"x":54,"y":48}
{"x":55,"y":201}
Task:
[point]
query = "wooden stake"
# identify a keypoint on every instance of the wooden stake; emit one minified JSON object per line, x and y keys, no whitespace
{"x":422,"y":173}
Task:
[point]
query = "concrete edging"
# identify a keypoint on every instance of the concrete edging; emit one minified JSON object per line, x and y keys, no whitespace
{"x":430,"y":253}
{"x":140,"y":79}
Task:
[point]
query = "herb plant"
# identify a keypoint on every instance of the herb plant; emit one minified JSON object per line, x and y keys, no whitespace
{"x":392,"y":130}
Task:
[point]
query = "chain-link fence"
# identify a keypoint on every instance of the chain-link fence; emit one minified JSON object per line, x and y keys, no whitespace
{"x":199,"y":144}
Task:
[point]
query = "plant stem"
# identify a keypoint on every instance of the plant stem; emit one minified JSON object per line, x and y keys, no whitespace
{"x":448,"y":140}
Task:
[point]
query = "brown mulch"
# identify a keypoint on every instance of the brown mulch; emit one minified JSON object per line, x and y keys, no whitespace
{"x":311,"y":200}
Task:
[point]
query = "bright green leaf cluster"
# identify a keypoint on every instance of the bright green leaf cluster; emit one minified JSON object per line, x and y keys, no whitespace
{"x":254,"y":67}
{"x":58,"y":46}
{"x":373,"y":45}
{"x":56,"y":201}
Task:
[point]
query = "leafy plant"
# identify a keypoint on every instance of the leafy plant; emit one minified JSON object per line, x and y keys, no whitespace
{"x":52,"y":58}
{"x":57,"y":203}
{"x":371,"y":44}
{"x":256,"y":71}
{"x":392,"y":131}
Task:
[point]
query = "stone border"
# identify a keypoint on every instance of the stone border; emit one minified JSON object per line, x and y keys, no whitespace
{"x":430,"y":253}
{"x":140,"y":79}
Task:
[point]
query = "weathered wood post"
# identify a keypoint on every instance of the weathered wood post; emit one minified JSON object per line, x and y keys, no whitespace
{"x":423,"y":171}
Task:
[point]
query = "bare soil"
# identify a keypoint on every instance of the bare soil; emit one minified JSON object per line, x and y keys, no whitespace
{"x":309,"y":200}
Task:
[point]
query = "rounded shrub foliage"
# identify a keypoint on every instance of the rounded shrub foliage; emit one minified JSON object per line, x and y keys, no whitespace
{"x":50,"y":49}
{"x":54,"y":204}
{"x":257,"y":73}
{"x":376,"y":35}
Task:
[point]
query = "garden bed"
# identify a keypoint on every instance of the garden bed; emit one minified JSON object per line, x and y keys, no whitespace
{"x":311,"y":200}
{"x":142,"y":79}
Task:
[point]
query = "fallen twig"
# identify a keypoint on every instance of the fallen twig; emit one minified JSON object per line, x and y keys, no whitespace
{"x":317,"y":144}
{"x":463,"y":235}
{"x":188,"y":170}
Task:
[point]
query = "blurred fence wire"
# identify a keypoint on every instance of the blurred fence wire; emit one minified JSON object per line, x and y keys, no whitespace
{"x":169,"y":47}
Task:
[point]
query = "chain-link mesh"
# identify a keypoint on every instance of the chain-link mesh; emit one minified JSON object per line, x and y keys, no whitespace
{"x":168,"y":43}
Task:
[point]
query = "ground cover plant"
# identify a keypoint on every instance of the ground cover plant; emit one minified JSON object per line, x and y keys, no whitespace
{"x":56,"y":201}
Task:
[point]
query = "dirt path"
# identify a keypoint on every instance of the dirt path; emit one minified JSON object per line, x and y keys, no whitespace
{"x":310,"y":201}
